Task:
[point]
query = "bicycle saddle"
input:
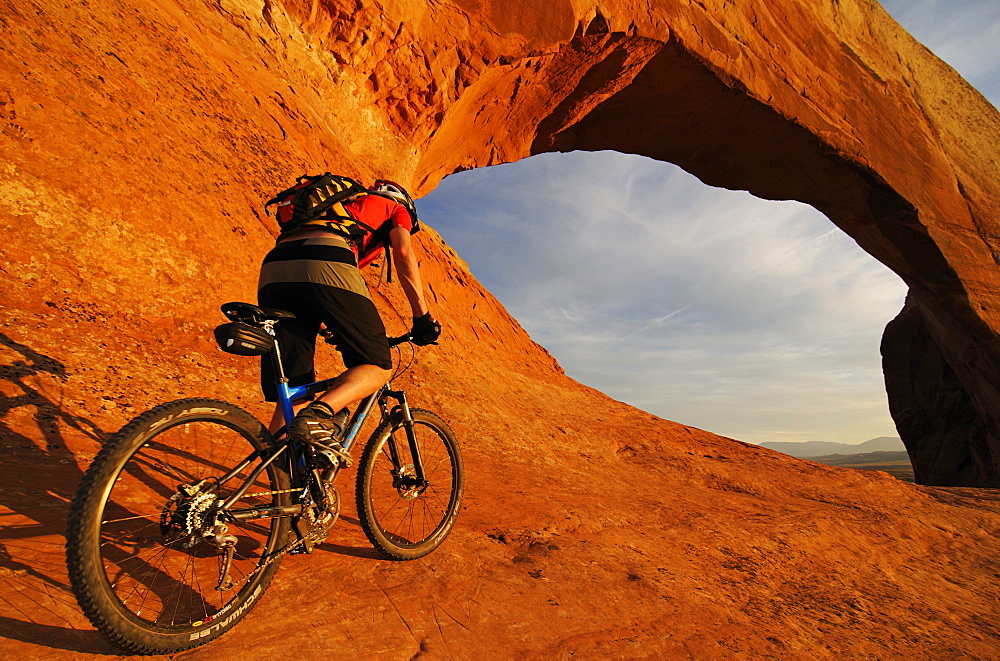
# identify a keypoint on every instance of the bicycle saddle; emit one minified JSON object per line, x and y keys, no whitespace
{"x":253,"y":314}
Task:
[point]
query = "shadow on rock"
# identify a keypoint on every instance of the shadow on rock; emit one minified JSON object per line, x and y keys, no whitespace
{"x":38,"y":476}
{"x":46,"y":635}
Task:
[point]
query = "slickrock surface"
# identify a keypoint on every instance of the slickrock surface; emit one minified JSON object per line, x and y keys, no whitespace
{"x":140,"y":139}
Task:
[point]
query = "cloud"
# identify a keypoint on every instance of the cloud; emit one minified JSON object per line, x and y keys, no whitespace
{"x":747,"y":317}
{"x":754,"y":319}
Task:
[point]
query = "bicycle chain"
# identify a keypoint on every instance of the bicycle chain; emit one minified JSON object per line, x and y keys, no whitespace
{"x":273,"y":558}
{"x":271,"y":493}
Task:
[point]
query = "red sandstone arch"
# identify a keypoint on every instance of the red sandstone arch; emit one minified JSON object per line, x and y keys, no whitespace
{"x":210,"y":109}
{"x":140,"y":138}
{"x":900,"y":160}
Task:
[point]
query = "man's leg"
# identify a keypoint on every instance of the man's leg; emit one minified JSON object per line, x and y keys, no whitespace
{"x":354,"y":384}
{"x":278,"y":418}
{"x":351,"y":386}
{"x":318,"y":424}
{"x":359,"y":335}
{"x":298,"y":343}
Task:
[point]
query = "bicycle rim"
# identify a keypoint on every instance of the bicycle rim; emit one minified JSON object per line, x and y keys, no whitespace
{"x":402,"y":517}
{"x":161,"y":569}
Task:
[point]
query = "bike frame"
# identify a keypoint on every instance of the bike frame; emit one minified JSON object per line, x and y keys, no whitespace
{"x":288,"y":394}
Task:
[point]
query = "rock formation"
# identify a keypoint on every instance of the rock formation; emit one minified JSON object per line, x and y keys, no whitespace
{"x":831,"y":104}
{"x":141,"y":137}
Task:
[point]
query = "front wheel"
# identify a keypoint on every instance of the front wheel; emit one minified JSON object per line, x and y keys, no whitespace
{"x":403,"y":516}
{"x":142,"y":549}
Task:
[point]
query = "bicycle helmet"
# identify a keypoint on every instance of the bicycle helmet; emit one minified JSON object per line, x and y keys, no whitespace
{"x":394,"y":191}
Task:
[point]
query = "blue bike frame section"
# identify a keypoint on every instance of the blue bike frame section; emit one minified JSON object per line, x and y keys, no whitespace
{"x":288,"y":394}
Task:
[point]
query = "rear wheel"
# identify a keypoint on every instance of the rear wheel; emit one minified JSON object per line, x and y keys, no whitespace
{"x":142,"y":543}
{"x":402,"y":516}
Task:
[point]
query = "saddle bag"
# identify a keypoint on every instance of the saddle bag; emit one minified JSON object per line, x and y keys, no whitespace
{"x":243,"y":340}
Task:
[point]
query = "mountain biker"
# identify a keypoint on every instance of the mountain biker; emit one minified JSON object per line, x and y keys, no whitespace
{"x":314,"y":274}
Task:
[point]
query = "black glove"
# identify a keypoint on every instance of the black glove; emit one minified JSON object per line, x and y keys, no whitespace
{"x":425,"y":330}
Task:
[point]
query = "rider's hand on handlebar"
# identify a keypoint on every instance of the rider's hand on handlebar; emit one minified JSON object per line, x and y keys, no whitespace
{"x":425,"y":330}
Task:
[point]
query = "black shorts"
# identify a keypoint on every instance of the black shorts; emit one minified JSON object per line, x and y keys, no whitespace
{"x":357,"y":327}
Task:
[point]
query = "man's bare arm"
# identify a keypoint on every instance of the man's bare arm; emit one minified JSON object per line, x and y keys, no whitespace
{"x":407,"y":269}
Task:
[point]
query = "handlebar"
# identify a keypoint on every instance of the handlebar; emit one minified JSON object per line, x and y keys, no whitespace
{"x":395,"y":341}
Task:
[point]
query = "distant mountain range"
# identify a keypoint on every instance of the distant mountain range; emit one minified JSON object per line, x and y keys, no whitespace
{"x":808,"y":449}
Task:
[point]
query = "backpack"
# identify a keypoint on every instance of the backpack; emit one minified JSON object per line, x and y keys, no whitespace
{"x":318,"y":200}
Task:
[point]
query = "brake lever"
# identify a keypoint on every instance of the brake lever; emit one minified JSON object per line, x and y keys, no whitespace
{"x":396,"y":341}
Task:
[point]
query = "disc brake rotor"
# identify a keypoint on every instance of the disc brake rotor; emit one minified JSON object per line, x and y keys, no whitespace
{"x":405,"y":482}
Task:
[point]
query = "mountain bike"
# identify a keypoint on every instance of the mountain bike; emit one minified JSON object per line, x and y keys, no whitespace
{"x":179,"y":524}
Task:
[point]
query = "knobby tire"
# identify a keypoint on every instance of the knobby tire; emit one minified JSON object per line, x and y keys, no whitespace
{"x":402,"y":519}
{"x":138,"y":561}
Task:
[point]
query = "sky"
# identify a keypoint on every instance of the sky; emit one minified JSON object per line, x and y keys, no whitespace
{"x":753,"y":319}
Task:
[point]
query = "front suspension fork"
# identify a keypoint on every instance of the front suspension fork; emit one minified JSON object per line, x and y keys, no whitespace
{"x":411,"y":436}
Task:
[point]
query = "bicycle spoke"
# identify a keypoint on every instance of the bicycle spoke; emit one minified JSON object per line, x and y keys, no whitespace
{"x":401,"y":509}
{"x":130,"y":518}
{"x":145,"y":584}
{"x":392,"y":507}
{"x":429,"y":493}
{"x":404,"y":516}
{"x":145,"y":522}
{"x":170,"y":597}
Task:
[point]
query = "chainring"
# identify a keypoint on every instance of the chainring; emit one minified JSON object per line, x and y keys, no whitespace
{"x":321,"y":521}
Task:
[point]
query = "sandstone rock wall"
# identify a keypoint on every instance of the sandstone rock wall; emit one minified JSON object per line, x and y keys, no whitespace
{"x":831,"y":104}
{"x":140,"y":137}
{"x":828,"y":103}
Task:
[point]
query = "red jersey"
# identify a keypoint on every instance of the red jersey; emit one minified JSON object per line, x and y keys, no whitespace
{"x":378,"y":213}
